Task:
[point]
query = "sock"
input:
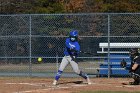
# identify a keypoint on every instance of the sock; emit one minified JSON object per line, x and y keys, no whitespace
{"x":84,"y":75}
{"x":58,"y":75}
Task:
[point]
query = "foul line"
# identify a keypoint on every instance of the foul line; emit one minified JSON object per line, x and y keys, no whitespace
{"x":31,"y":84}
{"x":41,"y":90}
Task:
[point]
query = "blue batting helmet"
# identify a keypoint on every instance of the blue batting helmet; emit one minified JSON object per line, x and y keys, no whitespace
{"x":74,"y":35}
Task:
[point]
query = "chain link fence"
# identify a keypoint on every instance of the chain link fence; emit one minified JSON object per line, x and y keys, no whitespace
{"x":24,"y":38}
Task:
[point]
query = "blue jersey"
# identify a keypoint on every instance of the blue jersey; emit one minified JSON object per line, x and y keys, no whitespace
{"x":71,"y":48}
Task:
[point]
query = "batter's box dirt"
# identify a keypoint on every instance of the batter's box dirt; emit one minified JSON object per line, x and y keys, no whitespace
{"x":66,"y":85}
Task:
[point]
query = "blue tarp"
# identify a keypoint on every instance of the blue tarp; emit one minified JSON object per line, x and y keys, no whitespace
{"x":115,"y":68}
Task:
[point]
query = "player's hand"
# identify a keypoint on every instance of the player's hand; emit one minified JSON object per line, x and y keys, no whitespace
{"x":73,"y":58}
{"x":72,"y":49}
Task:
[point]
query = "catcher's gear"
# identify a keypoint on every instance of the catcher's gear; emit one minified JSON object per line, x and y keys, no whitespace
{"x":134,"y":83}
{"x":136,"y":78}
{"x":123,"y":63}
{"x":133,"y":53}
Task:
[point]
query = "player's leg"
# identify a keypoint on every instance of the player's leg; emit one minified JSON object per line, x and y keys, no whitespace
{"x":136,"y":77}
{"x":77,"y":71}
{"x":63,"y":64}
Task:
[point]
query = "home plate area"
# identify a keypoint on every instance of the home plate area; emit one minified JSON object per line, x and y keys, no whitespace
{"x":66,"y":85}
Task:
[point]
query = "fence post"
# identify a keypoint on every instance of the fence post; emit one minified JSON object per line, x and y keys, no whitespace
{"x":57,"y":65}
{"x":109,"y":46}
{"x":30,"y":46}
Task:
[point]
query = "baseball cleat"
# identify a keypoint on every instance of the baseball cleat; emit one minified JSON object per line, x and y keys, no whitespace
{"x":88,"y":81}
{"x":55,"y":82}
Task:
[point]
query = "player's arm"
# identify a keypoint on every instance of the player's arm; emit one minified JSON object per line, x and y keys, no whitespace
{"x":68,"y":47}
{"x":134,"y":67}
{"x":136,"y":64}
{"x":75,"y":52}
{"x":72,"y":50}
{"x":67,"y":44}
{"x":77,"y":49}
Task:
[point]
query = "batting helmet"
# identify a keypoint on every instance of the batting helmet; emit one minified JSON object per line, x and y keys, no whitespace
{"x":74,"y":35}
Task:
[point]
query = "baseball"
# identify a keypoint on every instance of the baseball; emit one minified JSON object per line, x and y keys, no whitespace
{"x":39,"y":59}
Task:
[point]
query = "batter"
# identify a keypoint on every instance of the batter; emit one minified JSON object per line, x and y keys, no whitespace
{"x":72,"y":49}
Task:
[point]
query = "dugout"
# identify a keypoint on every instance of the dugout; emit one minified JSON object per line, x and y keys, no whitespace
{"x":116,"y":53}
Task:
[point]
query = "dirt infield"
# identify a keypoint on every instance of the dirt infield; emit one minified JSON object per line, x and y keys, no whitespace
{"x":66,"y":85}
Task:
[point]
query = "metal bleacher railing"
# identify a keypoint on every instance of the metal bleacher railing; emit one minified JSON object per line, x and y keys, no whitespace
{"x":117,"y":45}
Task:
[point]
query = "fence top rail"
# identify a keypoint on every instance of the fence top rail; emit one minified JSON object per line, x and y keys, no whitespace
{"x":71,"y":14}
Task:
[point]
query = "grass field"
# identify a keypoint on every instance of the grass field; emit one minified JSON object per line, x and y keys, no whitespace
{"x":106,"y":92}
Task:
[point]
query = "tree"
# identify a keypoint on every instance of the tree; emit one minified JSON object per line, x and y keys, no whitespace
{"x":124,"y":6}
{"x":31,"y":6}
{"x":47,"y":6}
{"x":90,"y":6}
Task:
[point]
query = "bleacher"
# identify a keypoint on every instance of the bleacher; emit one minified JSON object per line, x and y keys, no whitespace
{"x":115,"y":58}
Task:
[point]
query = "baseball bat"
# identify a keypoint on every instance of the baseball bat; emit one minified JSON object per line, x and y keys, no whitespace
{"x":86,"y":53}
